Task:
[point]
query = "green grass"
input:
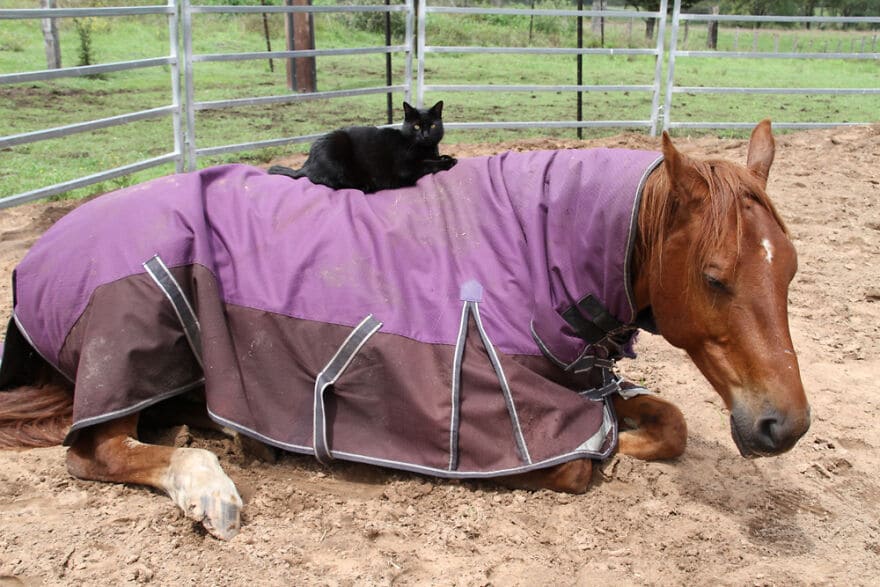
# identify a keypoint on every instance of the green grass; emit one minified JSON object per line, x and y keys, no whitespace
{"x":34,"y":106}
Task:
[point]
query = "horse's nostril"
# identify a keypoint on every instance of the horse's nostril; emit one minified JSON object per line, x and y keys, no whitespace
{"x":769,"y":432}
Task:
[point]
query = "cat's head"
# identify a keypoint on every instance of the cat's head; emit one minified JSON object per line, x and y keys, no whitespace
{"x":424,"y":125}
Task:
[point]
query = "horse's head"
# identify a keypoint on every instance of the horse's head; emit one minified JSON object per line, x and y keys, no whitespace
{"x":714,"y":263}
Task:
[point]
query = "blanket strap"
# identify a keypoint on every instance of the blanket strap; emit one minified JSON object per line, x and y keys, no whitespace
{"x":472,"y":295}
{"x":172,"y":290}
{"x":328,"y":376}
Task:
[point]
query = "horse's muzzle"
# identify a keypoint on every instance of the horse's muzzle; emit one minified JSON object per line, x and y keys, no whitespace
{"x":771,"y":433}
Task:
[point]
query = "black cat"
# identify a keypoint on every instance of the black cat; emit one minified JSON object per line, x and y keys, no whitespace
{"x":372,"y":159}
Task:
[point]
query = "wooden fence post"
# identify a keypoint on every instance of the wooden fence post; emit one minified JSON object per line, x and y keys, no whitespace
{"x":50,"y":38}
{"x":300,"y":33}
{"x":712,"y":33}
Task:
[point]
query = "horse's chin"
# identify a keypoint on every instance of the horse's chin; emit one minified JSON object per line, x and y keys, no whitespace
{"x":744,"y":450}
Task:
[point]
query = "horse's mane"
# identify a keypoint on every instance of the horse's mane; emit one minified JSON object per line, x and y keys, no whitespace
{"x":728,"y":186}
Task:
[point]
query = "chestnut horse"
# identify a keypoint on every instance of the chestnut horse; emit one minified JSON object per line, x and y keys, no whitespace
{"x":712,"y":264}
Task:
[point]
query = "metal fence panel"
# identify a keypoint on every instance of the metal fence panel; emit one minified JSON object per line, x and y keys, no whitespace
{"x":171,"y":60}
{"x":676,"y":52}
{"x":425,"y":49}
{"x":416,"y":46}
{"x":193,"y":105}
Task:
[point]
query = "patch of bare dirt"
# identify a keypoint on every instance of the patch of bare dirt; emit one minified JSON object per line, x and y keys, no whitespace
{"x":809,"y":517}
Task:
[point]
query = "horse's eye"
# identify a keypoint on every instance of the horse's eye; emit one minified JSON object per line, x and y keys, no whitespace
{"x":716,"y":284}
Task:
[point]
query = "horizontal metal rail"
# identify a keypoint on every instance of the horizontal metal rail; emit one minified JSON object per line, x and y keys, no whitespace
{"x":751,"y":125}
{"x":289,"y":98}
{"x":60,"y":188}
{"x":541,"y":12}
{"x":35,"y":76}
{"x":208,"y":151}
{"x":532,"y":88}
{"x":550,"y":124}
{"x":771,"y":55}
{"x":277,"y":9}
{"x":25,"y":13}
{"x":300,"y":53}
{"x":538,"y":50}
{"x":717,"y":90}
{"x":770,"y":18}
{"x":62,"y":131}
{"x":675,"y":53}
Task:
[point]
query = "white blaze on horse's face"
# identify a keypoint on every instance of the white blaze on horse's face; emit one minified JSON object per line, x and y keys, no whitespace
{"x":768,"y":250}
{"x":719,"y":290}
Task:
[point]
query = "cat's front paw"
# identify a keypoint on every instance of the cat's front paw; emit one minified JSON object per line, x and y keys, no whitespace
{"x":447,"y":162}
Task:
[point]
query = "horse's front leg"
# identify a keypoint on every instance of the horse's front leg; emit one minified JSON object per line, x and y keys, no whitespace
{"x":570,"y":477}
{"x":191,"y":476}
{"x":650,"y":428}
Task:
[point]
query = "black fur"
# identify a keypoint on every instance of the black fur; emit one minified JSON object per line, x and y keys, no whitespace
{"x":372,"y":159}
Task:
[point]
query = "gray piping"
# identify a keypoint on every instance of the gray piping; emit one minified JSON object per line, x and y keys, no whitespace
{"x":129,"y":410}
{"x":27,"y":337}
{"x":505,"y":388}
{"x":595,"y":442}
{"x":172,"y":290}
{"x":578,"y":453}
{"x":455,"y":410}
{"x":328,"y":376}
{"x":631,"y":238}
{"x":544,"y":349}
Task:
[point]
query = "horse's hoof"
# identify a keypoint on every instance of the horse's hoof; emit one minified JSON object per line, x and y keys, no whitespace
{"x":198,"y":485}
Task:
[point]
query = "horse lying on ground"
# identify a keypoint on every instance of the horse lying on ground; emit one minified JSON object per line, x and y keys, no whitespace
{"x":466,"y":327}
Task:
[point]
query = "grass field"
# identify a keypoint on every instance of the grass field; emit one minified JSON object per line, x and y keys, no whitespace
{"x":39,"y":105}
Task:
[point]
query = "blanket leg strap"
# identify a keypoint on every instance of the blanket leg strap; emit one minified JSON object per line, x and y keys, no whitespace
{"x":172,"y":290}
{"x":328,"y":376}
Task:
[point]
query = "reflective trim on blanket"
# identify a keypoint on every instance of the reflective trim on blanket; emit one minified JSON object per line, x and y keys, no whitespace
{"x":595,"y":442}
{"x":455,"y":415}
{"x":169,"y":286}
{"x":590,"y":449}
{"x":328,"y":376}
{"x":505,"y":388}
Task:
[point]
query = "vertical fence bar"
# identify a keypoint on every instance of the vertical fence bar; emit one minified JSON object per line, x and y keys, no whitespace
{"x":388,"y":62}
{"x":190,"y":90}
{"x":670,"y":71}
{"x":408,"y":47}
{"x":580,"y":69}
{"x":658,"y":67}
{"x":421,"y":56}
{"x":174,"y":41}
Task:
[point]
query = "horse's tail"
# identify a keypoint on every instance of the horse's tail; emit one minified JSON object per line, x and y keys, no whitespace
{"x":35,"y":415}
{"x":289,"y":172}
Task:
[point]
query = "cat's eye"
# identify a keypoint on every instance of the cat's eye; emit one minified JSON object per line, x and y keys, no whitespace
{"x":416,"y":126}
{"x":433,"y":125}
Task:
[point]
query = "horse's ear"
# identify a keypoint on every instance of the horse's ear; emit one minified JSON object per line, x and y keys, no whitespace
{"x":762,"y":149}
{"x":682,"y":175}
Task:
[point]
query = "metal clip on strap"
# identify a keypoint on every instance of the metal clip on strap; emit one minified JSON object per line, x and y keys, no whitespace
{"x":599,"y":393}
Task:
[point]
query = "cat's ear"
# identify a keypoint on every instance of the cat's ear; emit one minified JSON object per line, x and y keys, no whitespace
{"x":408,"y":111}
{"x":437,"y":109}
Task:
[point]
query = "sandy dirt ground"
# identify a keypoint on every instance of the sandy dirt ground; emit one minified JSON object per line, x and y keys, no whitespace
{"x":809,"y":517}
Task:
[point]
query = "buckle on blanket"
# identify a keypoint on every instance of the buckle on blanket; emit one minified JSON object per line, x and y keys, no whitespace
{"x":610,"y":387}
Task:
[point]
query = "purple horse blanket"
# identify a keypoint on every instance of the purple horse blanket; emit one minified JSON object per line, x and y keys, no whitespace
{"x":463,"y":327}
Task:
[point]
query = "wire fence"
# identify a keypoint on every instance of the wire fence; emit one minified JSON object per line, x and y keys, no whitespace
{"x":417,"y":52}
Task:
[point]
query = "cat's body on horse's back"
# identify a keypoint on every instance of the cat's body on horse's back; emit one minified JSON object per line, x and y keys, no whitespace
{"x":465,"y":327}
